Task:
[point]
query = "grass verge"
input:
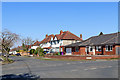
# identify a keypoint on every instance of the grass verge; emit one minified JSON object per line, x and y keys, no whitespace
{"x":55,"y":59}
{"x":7,"y":62}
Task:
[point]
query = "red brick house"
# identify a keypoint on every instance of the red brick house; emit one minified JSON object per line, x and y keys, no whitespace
{"x":106,"y":44}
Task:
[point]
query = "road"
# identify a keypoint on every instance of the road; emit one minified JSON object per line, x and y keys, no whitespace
{"x":62,"y":69}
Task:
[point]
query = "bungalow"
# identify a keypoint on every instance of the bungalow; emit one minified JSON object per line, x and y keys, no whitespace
{"x":55,"y":43}
{"x":105,"y":44}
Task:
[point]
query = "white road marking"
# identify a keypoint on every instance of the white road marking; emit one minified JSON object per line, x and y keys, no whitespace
{"x":73,"y":70}
{"x":93,"y":68}
{"x":103,"y":67}
{"x":106,"y":67}
{"x":85,"y":69}
{"x":68,"y":63}
{"x":109,"y":66}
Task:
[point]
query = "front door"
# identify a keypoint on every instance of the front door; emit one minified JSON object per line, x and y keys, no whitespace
{"x":68,"y":51}
{"x":102,"y":50}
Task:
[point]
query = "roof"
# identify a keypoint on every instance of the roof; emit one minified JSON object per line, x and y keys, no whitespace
{"x":47,"y":39}
{"x":66,"y":35}
{"x":36,"y":43}
{"x":113,"y":38}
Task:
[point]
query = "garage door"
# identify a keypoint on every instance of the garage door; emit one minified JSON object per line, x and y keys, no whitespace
{"x":68,"y":51}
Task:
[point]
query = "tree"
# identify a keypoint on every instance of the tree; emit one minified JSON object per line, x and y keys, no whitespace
{"x":26,"y":43}
{"x":24,"y":47}
{"x":40,"y":51}
{"x":100,"y":33}
{"x":8,"y":40}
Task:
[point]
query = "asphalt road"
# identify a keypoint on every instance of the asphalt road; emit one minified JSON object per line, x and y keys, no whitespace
{"x":62,"y":69}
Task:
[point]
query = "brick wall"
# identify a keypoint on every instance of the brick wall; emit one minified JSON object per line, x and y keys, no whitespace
{"x":83,"y":57}
{"x":109,"y":52}
{"x":82,"y":51}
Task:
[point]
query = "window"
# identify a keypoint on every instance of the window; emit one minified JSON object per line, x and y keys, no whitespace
{"x":87,"y":48}
{"x":51,"y":38}
{"x":98,"y":48}
{"x":54,"y":42}
{"x":76,"y":49}
{"x":51,"y":43}
{"x":61,"y":49}
{"x":90,"y":49}
{"x":58,"y":41}
{"x":109,"y":47}
{"x":60,"y":44}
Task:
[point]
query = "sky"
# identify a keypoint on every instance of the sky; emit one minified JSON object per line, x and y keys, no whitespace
{"x":36,"y":19}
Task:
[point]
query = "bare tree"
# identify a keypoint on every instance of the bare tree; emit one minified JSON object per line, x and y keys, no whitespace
{"x":8,"y":40}
{"x":26,"y":43}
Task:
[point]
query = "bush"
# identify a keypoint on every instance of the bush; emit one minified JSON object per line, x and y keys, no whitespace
{"x":39,"y":51}
{"x":57,"y":53}
{"x":17,"y":50}
{"x":36,"y":52}
{"x":32,"y":51}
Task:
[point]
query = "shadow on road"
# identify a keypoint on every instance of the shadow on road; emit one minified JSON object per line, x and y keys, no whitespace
{"x":25,"y":76}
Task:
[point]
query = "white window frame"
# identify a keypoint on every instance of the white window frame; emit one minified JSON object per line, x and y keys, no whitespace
{"x":98,"y":47}
{"x":106,"y":48}
{"x":111,"y":48}
{"x":51,"y":38}
{"x":90,"y":48}
{"x":86,"y":48}
{"x":52,"y":43}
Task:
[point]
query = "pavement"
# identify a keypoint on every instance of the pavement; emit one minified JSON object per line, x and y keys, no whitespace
{"x":62,"y":69}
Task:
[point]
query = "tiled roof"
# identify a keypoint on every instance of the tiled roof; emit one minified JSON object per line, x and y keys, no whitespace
{"x":47,"y":39}
{"x":113,"y":38}
{"x":66,"y":35}
{"x":37,"y":43}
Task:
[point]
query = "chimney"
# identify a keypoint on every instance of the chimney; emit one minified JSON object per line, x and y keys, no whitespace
{"x":80,"y":36}
{"x":46,"y":35}
{"x":61,"y":32}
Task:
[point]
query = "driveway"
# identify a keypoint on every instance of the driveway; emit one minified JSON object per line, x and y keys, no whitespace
{"x":62,"y":69}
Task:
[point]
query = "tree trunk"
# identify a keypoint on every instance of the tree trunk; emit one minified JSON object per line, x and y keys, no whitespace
{"x":7,"y":56}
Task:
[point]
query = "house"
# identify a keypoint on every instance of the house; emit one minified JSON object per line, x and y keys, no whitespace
{"x":106,"y":44}
{"x":35,"y":45}
{"x":55,"y":43}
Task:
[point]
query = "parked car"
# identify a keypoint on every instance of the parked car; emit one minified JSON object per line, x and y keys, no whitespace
{"x":45,"y":52}
{"x":18,"y":54}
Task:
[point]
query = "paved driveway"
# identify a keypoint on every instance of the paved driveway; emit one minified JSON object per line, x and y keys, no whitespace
{"x":62,"y":69}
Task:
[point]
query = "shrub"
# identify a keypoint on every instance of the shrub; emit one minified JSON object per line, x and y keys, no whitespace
{"x":32,"y":51}
{"x":39,"y":51}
